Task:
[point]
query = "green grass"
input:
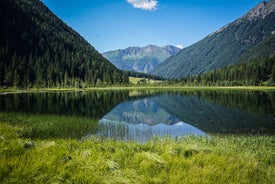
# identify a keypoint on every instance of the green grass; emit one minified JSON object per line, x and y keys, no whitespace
{"x":217,"y":159}
{"x":136,"y":80}
{"x":153,"y":85}
{"x":50,"y":126}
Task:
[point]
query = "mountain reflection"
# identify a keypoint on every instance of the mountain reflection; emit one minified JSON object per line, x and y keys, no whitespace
{"x":165,"y":114}
{"x":140,"y":115}
{"x":141,"y":120}
{"x":217,"y":118}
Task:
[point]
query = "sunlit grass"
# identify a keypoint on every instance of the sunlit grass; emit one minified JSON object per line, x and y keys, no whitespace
{"x":217,"y":159}
{"x":154,"y":84}
{"x":135,"y":80}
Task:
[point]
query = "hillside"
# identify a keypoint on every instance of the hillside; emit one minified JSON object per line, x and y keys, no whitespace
{"x":37,"y":49}
{"x":253,"y":73}
{"x":140,"y":59}
{"x":249,"y":37}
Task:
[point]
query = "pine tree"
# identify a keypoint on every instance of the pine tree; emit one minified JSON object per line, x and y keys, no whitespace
{"x":273,"y":74}
{"x":37,"y":48}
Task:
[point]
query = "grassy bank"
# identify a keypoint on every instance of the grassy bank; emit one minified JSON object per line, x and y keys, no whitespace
{"x":150,"y":87}
{"x":230,"y":159}
{"x":45,"y":126}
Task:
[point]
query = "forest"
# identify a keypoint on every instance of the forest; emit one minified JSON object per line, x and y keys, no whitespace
{"x":37,"y":50}
{"x":254,"y":73}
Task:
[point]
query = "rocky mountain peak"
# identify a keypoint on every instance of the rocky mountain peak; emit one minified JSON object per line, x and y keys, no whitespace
{"x":261,"y":10}
{"x":249,"y":37}
{"x":140,"y":59}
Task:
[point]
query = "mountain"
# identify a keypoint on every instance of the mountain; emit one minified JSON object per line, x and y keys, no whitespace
{"x":249,"y":37}
{"x":140,"y":59}
{"x":37,"y":49}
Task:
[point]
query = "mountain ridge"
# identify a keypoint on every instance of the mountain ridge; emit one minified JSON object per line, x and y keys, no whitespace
{"x":250,"y":37}
{"x":140,"y":59}
{"x":261,"y":10}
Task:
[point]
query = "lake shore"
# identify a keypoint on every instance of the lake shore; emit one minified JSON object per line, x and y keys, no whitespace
{"x":52,"y":146}
{"x":254,"y":88}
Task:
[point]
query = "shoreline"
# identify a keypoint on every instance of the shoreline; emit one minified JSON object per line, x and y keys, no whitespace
{"x":183,"y":88}
{"x":187,"y":160}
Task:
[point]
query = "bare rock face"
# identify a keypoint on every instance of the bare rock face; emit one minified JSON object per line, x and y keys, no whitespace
{"x":261,"y":11}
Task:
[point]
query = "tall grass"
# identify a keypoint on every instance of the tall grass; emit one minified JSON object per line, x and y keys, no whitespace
{"x":229,"y":159}
{"x":50,"y":126}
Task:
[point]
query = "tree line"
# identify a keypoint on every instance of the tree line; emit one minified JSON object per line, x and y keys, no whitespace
{"x":38,"y":50}
{"x":254,"y":73}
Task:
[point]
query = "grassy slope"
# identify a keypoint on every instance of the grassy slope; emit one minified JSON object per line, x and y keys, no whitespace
{"x":189,"y":160}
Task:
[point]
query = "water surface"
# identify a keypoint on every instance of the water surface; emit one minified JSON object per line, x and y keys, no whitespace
{"x":141,"y":115}
{"x":141,"y":120}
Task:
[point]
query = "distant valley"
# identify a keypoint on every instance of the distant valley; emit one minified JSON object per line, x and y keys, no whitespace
{"x":140,"y":59}
{"x":37,"y":50}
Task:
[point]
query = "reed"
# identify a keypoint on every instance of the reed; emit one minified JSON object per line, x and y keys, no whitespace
{"x":215,"y":159}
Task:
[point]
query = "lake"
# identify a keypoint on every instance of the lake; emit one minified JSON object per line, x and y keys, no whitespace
{"x":140,"y":115}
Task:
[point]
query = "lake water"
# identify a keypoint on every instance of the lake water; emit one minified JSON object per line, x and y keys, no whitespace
{"x":142,"y":115}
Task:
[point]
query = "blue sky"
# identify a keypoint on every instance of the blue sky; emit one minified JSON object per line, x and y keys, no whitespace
{"x":118,"y":24}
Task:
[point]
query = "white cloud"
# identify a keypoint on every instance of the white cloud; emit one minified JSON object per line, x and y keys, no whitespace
{"x":179,"y":46}
{"x":144,"y":4}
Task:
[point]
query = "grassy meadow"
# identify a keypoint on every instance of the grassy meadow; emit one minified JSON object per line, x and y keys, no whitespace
{"x":143,"y":81}
{"x":29,"y":156}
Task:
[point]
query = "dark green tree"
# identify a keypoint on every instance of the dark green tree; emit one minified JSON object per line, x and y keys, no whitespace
{"x":273,"y":74}
{"x":37,"y":49}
